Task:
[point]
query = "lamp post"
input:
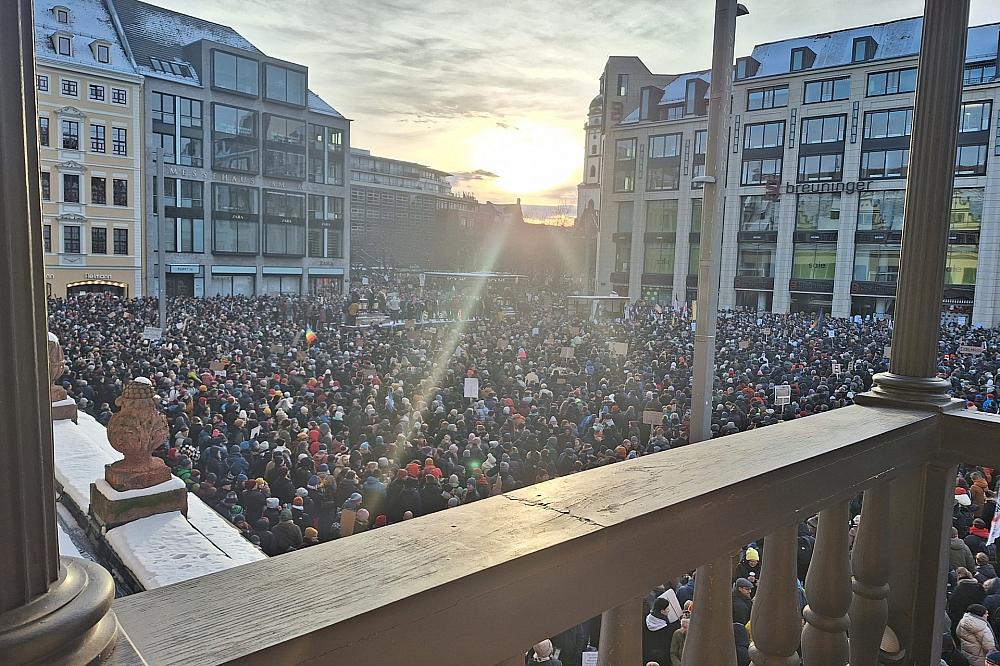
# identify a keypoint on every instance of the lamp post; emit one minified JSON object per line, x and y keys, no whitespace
{"x":723,"y":48}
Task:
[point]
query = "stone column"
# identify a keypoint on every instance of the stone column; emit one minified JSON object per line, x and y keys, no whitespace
{"x":912,"y":377}
{"x":621,"y":634}
{"x":50,"y":609}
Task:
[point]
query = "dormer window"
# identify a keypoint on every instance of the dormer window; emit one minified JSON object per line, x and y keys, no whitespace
{"x":864,"y":49}
{"x":802,"y":58}
{"x":62,"y":43}
{"x":101,"y":50}
{"x":746,"y":67}
{"x":61,"y":13}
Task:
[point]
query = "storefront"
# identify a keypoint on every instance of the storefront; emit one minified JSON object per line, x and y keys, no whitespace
{"x":233,"y":281}
{"x":281,"y":280}
{"x":61,"y":282}
{"x":326,"y":281}
{"x":185,"y":280}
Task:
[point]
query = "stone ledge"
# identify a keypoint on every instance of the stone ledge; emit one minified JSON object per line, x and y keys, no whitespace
{"x":110,"y":508}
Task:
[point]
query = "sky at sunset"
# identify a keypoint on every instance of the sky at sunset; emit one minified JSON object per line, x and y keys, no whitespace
{"x":497,"y":92}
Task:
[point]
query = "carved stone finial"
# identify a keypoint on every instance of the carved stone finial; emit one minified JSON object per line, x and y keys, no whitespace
{"x":135,"y":431}
{"x":56,"y":369}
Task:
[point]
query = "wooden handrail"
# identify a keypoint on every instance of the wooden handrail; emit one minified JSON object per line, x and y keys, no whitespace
{"x":508,"y":571}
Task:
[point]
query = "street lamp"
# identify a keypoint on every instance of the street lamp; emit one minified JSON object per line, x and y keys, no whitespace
{"x":723,"y":49}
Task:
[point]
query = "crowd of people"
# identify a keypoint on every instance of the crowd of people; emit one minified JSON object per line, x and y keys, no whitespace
{"x":300,"y":442}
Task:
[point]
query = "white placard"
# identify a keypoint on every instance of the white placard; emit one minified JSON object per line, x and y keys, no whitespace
{"x":836,"y":368}
{"x":831,"y":333}
{"x":254,"y":432}
{"x":782,"y":395}
{"x":471,"y":387}
{"x":152,"y":333}
{"x":887,"y":351}
{"x":534,"y":331}
{"x":567,"y":352}
{"x":588,"y":658}
{"x":967,"y":349}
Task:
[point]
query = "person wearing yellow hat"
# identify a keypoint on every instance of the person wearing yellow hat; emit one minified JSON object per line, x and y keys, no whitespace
{"x":310,"y":537}
{"x":749,"y":564}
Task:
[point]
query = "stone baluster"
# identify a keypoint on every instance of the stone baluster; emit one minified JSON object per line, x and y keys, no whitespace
{"x":621,"y":634}
{"x":775,"y":622}
{"x":710,"y":638}
{"x":870,"y":563}
{"x":828,"y":589}
{"x":52,"y":609}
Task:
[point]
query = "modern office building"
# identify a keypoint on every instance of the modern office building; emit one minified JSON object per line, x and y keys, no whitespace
{"x":818,"y":152}
{"x":404,"y":215}
{"x":90,"y":136}
{"x":254,"y":162}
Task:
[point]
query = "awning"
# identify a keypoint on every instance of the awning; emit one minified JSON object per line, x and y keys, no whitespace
{"x":326,"y":271}
{"x":281,"y":270}
{"x":234,"y":270}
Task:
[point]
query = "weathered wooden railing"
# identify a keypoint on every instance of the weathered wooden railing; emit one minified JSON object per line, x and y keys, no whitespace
{"x":498,"y":575}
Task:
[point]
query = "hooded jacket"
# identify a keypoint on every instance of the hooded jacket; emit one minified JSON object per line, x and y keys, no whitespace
{"x":975,"y":639}
{"x":959,"y":555}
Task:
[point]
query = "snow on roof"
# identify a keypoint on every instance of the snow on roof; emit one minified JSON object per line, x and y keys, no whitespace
{"x":630,"y":118}
{"x":316,"y":104}
{"x":673,"y":92}
{"x":89,"y":20}
{"x":895,"y":39}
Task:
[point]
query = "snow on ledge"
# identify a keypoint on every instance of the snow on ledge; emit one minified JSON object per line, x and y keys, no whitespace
{"x":108,"y":491}
{"x":81,"y":452}
{"x":66,"y":546}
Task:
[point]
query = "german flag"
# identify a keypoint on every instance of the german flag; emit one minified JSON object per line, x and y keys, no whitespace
{"x":311,"y":336}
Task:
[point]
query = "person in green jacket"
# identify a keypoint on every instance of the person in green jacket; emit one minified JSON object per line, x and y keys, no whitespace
{"x":677,"y":642}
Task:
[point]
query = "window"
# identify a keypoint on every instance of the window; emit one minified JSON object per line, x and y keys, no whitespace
{"x":234,"y":139}
{"x":120,"y":191}
{"x":982,"y":72}
{"x":764,"y":135}
{"x":625,"y":165}
{"x":236,"y":215}
{"x":701,"y":142}
{"x":47,"y":237}
{"x":801,"y":58}
{"x":877,"y":164}
{"x":694,"y":256}
{"x":188,"y":236}
{"x":190,"y":112}
{"x":284,"y":85}
{"x":96,"y":92}
{"x":623,"y":255}
{"x":966,"y":210}
{"x":885,"y":124}
{"x":759,"y":172}
{"x":892,"y":82}
{"x":960,"y":264}
{"x":70,"y":88}
{"x":284,"y":224}
{"x":820,"y":167}
{"x":881,"y":211}
{"x":814,"y":261}
{"x":46,"y":186}
{"x":71,"y":188}
{"x":162,"y":108}
{"x":661,"y":216}
{"x":97,"y":143}
{"x":326,"y":227}
{"x":755,"y":261}
{"x":593,"y":171}
{"x":285,"y":147}
{"x":864,"y":49}
{"x":746,"y":67}
{"x":876,"y":263}
{"x":103,"y":53}
{"x":42,"y":82}
{"x":758,"y":214}
{"x":43,"y":131}
{"x":622,"y":85}
{"x":62,"y":15}
{"x":71,"y":239}
{"x":121,"y":241}
{"x":119,"y":96}
{"x":171,"y":67}
{"x":817,"y":212}
{"x":98,"y":190}
{"x":98,"y":240}
{"x":659,"y":258}
{"x":828,"y":90}
{"x":674,"y":112}
{"x":70,"y":135}
{"x":826,"y":129}
{"x":664,"y":145}
{"x":119,"y":141}
{"x":236,"y":73}
{"x":974,"y":117}
{"x":625,"y":210}
{"x":970,"y":161}
{"x":64,"y":45}
{"x":326,"y":155}
{"x":767,"y":98}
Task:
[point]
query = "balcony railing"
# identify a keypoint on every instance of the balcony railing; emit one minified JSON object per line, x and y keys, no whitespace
{"x":511,"y":570}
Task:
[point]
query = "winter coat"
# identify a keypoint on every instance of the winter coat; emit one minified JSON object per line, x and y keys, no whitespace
{"x":959,"y":555}
{"x":976,"y":540}
{"x":967,"y":592}
{"x":975,"y":639}
{"x":677,"y":647}
{"x":741,"y":608}
{"x":287,"y":536}
{"x":742,"y":645}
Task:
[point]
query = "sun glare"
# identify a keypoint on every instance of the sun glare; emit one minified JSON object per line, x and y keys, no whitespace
{"x":529,"y":158}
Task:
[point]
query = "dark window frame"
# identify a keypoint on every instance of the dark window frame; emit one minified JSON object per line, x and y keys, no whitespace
{"x":98,"y":240}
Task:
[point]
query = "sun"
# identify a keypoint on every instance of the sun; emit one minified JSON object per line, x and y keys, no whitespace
{"x":529,"y":158}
